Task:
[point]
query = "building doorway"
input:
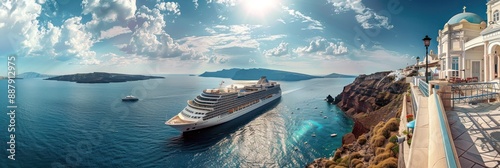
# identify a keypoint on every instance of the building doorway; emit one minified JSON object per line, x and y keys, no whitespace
{"x":476,"y":69}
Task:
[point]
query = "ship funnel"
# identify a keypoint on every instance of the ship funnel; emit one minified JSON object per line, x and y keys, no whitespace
{"x":263,"y":80}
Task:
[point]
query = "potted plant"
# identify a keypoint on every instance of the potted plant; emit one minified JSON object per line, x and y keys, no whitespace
{"x":409,"y":117}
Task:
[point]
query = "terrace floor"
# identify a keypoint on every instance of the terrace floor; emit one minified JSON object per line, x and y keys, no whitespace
{"x":476,"y":133}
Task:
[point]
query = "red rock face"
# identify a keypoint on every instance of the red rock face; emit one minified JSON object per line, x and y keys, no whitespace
{"x":359,"y":129}
{"x":366,"y":100}
{"x":348,"y":138}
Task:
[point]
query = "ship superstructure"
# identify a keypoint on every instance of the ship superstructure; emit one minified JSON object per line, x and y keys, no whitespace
{"x":217,"y":106}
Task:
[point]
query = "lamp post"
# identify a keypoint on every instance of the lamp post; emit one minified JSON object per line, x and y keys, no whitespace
{"x":418,"y":60}
{"x":427,"y":42}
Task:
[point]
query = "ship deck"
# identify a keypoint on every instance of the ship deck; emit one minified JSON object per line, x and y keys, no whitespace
{"x":177,"y":120}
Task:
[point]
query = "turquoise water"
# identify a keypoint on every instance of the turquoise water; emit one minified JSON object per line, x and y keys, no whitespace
{"x":64,"y":124}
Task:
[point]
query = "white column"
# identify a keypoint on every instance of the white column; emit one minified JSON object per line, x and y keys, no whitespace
{"x":485,"y":62}
{"x":462,"y":67}
{"x":463,"y":57}
{"x":498,"y":65}
{"x":448,"y":73}
{"x":485,"y":67}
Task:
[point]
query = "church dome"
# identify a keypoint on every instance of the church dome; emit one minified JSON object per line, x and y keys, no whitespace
{"x":470,"y":17}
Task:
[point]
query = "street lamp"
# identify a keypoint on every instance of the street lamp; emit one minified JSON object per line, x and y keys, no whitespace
{"x":427,"y":42}
{"x":418,"y":60}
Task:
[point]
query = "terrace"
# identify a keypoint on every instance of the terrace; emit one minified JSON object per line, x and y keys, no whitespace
{"x":457,"y":124}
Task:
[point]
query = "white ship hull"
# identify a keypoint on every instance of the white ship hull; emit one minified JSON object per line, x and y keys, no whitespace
{"x":223,"y":118}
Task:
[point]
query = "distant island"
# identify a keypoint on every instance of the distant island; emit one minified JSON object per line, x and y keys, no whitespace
{"x":31,"y":75}
{"x":256,"y":73}
{"x":101,"y":77}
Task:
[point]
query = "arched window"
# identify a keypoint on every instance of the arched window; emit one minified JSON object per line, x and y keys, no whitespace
{"x":496,"y":16}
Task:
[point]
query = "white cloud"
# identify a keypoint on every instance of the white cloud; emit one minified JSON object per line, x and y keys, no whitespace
{"x":150,"y":39}
{"x":280,"y":50}
{"x":322,"y":47}
{"x":217,"y":60}
{"x":223,"y":2}
{"x":20,"y":26}
{"x":271,"y":37}
{"x":365,"y":16}
{"x":169,"y":6}
{"x":281,"y":20}
{"x":120,"y":60}
{"x":74,"y":40}
{"x":114,"y":31}
{"x":223,"y":37}
{"x":195,"y":4}
{"x":28,"y":38}
{"x":108,"y":14}
{"x":210,"y":30}
{"x":313,"y":24}
{"x":252,"y":61}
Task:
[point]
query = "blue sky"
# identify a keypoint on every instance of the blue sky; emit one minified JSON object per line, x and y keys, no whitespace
{"x":193,"y":36}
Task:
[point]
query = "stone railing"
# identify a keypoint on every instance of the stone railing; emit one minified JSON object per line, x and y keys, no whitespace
{"x":441,"y":146}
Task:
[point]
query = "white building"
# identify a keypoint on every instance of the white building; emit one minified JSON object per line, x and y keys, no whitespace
{"x":469,"y":46}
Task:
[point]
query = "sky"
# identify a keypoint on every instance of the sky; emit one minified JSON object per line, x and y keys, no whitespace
{"x":193,"y":36}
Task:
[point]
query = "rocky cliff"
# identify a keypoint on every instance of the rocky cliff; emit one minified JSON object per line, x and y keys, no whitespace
{"x":374,"y":103}
{"x":371,"y":99}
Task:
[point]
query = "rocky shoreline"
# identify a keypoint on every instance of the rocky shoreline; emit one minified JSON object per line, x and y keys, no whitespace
{"x":374,"y":103}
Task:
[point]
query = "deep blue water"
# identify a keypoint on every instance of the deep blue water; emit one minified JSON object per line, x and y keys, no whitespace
{"x":65,"y":124}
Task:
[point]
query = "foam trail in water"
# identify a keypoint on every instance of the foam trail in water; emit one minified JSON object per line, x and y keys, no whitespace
{"x":161,"y":97}
{"x":290,"y":91}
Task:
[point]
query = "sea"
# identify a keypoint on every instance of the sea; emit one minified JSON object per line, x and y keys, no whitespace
{"x":67,"y":124}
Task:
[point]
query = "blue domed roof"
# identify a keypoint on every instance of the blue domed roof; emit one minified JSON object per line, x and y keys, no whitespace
{"x":470,"y":17}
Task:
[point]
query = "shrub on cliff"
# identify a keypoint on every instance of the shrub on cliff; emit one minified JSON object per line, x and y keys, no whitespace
{"x":337,"y":154}
{"x":390,"y":147}
{"x":379,"y":151}
{"x":329,"y":163}
{"x":355,"y":155}
{"x":389,"y":126}
{"x":377,"y":127}
{"x":392,"y":124}
{"x":377,"y":141}
{"x":356,"y":162}
{"x":388,"y":163}
{"x":362,"y":139}
{"x":393,"y":139}
{"x":379,"y":158}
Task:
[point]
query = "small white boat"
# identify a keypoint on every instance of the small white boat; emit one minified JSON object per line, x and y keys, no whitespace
{"x":333,"y":135}
{"x":130,"y":98}
{"x":313,"y":135}
{"x":325,"y":117}
{"x":321,"y":111}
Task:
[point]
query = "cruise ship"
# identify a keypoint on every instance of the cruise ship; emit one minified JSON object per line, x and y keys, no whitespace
{"x":217,"y":106}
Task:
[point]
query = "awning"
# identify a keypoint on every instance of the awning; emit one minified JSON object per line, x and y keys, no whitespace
{"x":411,"y":124}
